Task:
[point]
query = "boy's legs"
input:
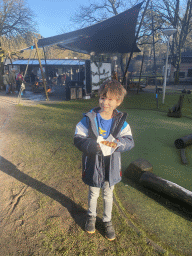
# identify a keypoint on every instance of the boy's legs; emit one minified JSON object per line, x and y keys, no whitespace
{"x":92,"y":209}
{"x":107,"y":211}
{"x":92,"y":201}
{"x":107,"y":201}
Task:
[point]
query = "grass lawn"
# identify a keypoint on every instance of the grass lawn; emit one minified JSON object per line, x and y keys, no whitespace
{"x":43,"y":141}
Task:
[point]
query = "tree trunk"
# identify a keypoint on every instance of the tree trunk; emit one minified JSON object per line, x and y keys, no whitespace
{"x":178,"y":62}
{"x":1,"y":66}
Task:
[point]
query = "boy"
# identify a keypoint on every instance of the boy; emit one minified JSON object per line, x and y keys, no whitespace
{"x":99,"y":171}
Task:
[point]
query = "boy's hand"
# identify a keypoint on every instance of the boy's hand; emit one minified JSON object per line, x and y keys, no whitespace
{"x":98,"y":148}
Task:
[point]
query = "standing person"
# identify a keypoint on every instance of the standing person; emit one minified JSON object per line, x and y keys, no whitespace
{"x":114,"y":75}
{"x":101,"y":171}
{"x":12,"y":80}
{"x":6,"y":81}
{"x":64,"y":78}
{"x":19,"y":80}
{"x":32,"y":75}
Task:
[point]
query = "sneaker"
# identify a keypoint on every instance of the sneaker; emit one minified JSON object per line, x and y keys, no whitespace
{"x":90,"y":224}
{"x":109,"y":231}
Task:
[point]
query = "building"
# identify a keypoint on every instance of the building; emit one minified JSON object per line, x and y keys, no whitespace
{"x":70,"y":67}
{"x":185,"y":73}
{"x":76,"y":71}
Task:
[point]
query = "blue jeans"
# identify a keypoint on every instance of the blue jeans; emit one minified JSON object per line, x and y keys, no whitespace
{"x":7,"y":88}
{"x":107,"y":193}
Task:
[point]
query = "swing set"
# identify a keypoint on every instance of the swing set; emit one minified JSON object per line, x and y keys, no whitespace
{"x":26,"y":69}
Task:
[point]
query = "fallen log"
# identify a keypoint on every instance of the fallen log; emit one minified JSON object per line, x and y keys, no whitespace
{"x":150,"y":180}
{"x":182,"y":143}
{"x":183,"y":156}
{"x":137,"y":168}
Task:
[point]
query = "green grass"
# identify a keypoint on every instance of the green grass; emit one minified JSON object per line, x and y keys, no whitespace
{"x":148,"y":101}
{"x":43,"y":144}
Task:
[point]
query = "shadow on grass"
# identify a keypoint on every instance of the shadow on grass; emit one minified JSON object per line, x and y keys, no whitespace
{"x":77,"y":212}
{"x":174,"y":205}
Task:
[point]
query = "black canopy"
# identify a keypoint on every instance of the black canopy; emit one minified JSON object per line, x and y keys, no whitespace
{"x":114,"y":35}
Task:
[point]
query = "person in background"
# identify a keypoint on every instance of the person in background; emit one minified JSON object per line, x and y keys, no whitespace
{"x":99,"y":171}
{"x":19,"y":80}
{"x":12,"y":80}
{"x":6,"y":81}
{"x":114,"y":75}
{"x":32,"y":77}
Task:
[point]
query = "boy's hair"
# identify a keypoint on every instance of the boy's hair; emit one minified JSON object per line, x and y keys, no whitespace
{"x":114,"y":88}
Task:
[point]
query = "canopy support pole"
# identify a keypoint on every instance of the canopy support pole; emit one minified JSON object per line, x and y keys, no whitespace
{"x":23,"y":85}
{"x":44,"y":84}
{"x":136,"y":37}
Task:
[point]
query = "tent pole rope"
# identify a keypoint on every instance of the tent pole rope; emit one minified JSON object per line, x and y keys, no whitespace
{"x":46,"y":73}
{"x":21,"y":89}
{"x":136,"y":37}
{"x":37,"y":50}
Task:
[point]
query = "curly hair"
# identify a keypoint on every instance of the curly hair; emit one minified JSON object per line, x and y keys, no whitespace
{"x":112,"y":88}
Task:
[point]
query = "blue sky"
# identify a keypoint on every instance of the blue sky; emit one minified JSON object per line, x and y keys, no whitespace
{"x":53,"y":17}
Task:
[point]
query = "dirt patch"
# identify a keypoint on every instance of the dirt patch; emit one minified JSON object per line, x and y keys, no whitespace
{"x":23,"y":218}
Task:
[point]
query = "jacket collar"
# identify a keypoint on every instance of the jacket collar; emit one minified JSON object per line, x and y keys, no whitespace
{"x":118,"y":120}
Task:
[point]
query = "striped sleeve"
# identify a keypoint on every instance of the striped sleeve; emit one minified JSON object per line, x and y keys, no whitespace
{"x":125,"y":130}
{"x":81,"y":139}
{"x":125,"y":138}
{"x":81,"y":128}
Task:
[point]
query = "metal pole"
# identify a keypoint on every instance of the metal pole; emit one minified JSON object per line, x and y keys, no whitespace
{"x":37,"y":50}
{"x":140,"y":71}
{"x":165,"y":71}
{"x":154,"y":56}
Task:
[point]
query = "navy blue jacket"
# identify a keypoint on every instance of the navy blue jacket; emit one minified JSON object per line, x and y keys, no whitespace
{"x":85,"y":139}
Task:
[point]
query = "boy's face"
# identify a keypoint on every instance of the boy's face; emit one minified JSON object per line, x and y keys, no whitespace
{"x":108,"y":103}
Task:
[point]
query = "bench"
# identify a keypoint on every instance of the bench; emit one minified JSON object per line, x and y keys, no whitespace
{"x":132,"y":85}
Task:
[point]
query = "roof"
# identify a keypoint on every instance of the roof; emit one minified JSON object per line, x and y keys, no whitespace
{"x":113,"y":35}
{"x":58,"y":62}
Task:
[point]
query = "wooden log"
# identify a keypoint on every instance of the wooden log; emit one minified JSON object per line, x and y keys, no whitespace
{"x":183,"y":157}
{"x":183,"y":142}
{"x":137,"y":168}
{"x":167,"y":187}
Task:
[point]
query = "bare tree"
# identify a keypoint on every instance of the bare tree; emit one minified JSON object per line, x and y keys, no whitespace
{"x":179,"y":15}
{"x":16,"y":18}
{"x":98,"y":11}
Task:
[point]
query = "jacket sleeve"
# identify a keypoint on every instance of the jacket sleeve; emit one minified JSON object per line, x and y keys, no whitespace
{"x":81,"y":139}
{"x":125,"y":138}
